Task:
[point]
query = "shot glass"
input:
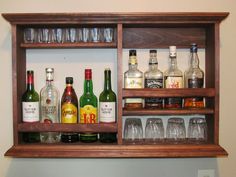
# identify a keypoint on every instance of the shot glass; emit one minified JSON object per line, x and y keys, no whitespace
{"x":175,"y":131}
{"x":43,"y":35}
{"x":73,"y":35}
{"x":59,"y":35}
{"x":86,"y":36}
{"x":154,"y":130}
{"x":133,"y":130}
{"x":29,"y":35}
{"x":197,"y":130}
{"x":95,"y":34}
{"x":108,"y":34}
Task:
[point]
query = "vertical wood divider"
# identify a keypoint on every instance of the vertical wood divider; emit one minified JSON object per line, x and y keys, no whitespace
{"x":119,"y":80}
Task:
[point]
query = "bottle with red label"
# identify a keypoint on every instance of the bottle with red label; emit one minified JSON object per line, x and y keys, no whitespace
{"x":69,"y":110}
{"x":30,"y":108}
{"x":88,"y":108}
{"x":173,"y":78}
{"x":194,"y":78}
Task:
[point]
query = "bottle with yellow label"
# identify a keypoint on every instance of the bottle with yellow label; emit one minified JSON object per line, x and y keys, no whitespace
{"x":88,"y":108}
{"x":69,"y":110}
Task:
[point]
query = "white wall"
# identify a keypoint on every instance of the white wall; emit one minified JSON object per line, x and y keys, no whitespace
{"x":224,"y":167}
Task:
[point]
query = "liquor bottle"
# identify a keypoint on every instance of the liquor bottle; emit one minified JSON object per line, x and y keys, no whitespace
{"x":173,"y":78}
{"x":194,"y":78}
{"x":49,"y":107}
{"x":30,"y":108}
{"x":107,"y":107}
{"x":133,"y":78}
{"x":88,"y":108}
{"x":69,"y":110}
{"x":153,"y":78}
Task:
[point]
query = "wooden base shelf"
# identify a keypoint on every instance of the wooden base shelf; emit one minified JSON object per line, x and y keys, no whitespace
{"x":115,"y":151}
{"x":58,"y":127}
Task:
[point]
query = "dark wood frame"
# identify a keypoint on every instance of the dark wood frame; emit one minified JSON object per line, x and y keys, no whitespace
{"x":133,"y":30}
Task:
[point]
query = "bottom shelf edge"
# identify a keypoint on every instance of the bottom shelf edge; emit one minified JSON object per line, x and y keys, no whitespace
{"x":116,"y":151}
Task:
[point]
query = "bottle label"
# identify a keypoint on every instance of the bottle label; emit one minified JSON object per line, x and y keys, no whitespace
{"x":133,"y":83}
{"x":88,"y":114}
{"x":107,"y":112}
{"x":30,"y":111}
{"x":49,"y":114}
{"x":69,"y":113}
{"x":195,"y":83}
{"x":153,"y":83}
{"x":173,"y":82}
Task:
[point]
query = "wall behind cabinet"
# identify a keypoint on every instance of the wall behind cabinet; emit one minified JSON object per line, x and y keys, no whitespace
{"x":224,"y":167}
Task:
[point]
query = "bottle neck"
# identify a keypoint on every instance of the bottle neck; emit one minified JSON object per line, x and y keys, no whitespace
{"x":153,"y":64}
{"x":88,"y":86}
{"x":133,"y":63}
{"x":69,"y":89}
{"x":173,"y":62}
{"x":194,"y":60}
{"x":107,"y":83}
{"x":30,"y":82}
{"x":49,"y":82}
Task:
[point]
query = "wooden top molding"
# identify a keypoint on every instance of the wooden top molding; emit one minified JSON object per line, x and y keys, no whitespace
{"x":112,"y":18}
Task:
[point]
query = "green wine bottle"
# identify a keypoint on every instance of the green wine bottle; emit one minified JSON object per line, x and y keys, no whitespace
{"x":88,"y":108}
{"x":107,"y":108}
{"x":30,"y":108}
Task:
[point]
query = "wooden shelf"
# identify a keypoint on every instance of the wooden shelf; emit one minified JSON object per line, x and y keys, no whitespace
{"x":133,"y":30}
{"x":117,"y":151}
{"x":181,"y":92}
{"x":57,"y":127}
{"x":69,"y":45}
{"x":142,"y":112}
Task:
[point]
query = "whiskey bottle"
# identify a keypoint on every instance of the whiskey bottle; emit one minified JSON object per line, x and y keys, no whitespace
{"x":30,"y":108}
{"x":107,"y":108}
{"x":69,"y":110}
{"x":173,"y":78}
{"x":153,"y":78}
{"x":133,"y":78}
{"x":88,"y":108}
{"x":194,"y":78}
{"x":49,"y":107}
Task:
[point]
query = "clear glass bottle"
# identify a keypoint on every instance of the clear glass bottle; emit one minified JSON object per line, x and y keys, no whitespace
{"x":30,"y":108}
{"x":88,"y":108}
{"x":194,"y":78}
{"x":107,"y":108}
{"x":173,"y":78}
{"x":133,"y":78}
{"x":153,"y":78}
{"x":69,"y":111}
{"x":49,"y":107}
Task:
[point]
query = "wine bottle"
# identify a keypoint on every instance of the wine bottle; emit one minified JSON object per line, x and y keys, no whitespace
{"x":107,"y":107}
{"x":88,"y":108}
{"x":69,"y":110}
{"x":30,"y":108}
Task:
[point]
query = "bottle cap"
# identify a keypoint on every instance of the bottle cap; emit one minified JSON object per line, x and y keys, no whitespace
{"x":172,"y":51}
{"x":88,"y":74}
{"x":132,"y":52}
{"x":69,"y":80}
{"x":153,"y":51}
{"x":193,"y":47}
{"x":49,"y":74}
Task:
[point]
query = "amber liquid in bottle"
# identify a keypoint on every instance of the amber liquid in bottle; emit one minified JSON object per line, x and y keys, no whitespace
{"x":194,"y":78}
{"x":69,"y":110}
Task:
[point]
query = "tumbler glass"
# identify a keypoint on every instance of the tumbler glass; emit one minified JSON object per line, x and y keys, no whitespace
{"x":29,"y":35}
{"x":108,"y":34}
{"x":197,"y":130}
{"x":154,"y":130}
{"x":95,"y":34}
{"x":175,"y":130}
{"x":86,"y":36}
{"x":133,"y":130}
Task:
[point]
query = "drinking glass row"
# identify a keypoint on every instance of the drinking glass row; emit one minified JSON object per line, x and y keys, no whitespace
{"x":68,"y":35}
{"x":175,"y":130}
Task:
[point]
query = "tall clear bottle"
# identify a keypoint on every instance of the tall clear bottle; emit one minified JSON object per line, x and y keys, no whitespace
{"x":173,"y":78}
{"x":153,"y":78}
{"x":69,"y":111}
{"x":133,"y":78}
{"x":49,"y":107}
{"x":88,"y":108}
{"x":107,"y":107}
{"x":30,"y":108}
{"x":194,"y":78}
